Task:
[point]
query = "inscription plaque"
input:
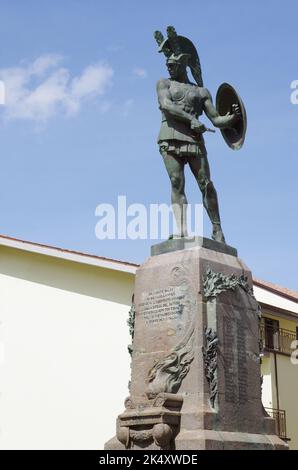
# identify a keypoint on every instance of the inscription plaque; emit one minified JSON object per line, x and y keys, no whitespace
{"x":236,"y":374}
{"x":230,"y":363}
{"x":242,"y":362}
{"x":161,"y":305}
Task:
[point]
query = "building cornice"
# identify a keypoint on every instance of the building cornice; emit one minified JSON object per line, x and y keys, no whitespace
{"x":69,"y":255}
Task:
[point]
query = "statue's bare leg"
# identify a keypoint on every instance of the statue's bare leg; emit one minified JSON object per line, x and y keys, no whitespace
{"x":175,"y":169}
{"x":200,"y":169}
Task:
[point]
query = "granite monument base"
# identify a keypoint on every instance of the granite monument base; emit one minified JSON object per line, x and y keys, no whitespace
{"x":196,"y":381}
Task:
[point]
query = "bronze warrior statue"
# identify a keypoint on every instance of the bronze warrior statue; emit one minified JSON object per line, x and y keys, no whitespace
{"x":181,"y":135}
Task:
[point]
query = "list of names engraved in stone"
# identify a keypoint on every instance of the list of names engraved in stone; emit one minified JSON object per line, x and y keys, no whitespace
{"x":229,"y":361}
{"x":161,"y":304}
{"x":242,"y":363}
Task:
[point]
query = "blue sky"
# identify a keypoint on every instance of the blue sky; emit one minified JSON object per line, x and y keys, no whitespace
{"x":89,"y":133}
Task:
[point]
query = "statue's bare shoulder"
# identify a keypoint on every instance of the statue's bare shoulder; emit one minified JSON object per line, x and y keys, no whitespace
{"x":163,"y":91}
{"x":163,"y":84}
{"x":205,"y":93}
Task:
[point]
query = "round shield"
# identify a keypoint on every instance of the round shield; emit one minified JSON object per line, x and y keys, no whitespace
{"x":226,"y":97}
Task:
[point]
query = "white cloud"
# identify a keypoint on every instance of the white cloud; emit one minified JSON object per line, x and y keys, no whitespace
{"x":43,"y":63}
{"x":139,"y":72}
{"x":40,"y":90}
{"x":2,"y":92}
{"x":93,"y":80}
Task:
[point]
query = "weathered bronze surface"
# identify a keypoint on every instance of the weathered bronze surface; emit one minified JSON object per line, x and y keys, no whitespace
{"x":225,"y":98}
{"x":181,"y":134}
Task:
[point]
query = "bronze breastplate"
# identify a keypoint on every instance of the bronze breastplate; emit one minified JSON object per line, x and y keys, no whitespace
{"x":187,"y":97}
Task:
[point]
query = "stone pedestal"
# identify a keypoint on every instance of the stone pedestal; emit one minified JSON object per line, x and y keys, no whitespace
{"x":196,"y":380}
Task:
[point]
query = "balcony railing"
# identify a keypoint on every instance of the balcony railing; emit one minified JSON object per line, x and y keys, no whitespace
{"x":279,"y":339}
{"x":280,"y":421}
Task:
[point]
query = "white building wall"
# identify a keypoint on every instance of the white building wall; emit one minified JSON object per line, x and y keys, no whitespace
{"x":64,"y":364}
{"x":287,"y":373}
{"x":271,"y":298}
{"x":267,"y":392}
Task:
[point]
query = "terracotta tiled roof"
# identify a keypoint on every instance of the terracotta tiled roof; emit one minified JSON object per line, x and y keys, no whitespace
{"x":283,"y":291}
